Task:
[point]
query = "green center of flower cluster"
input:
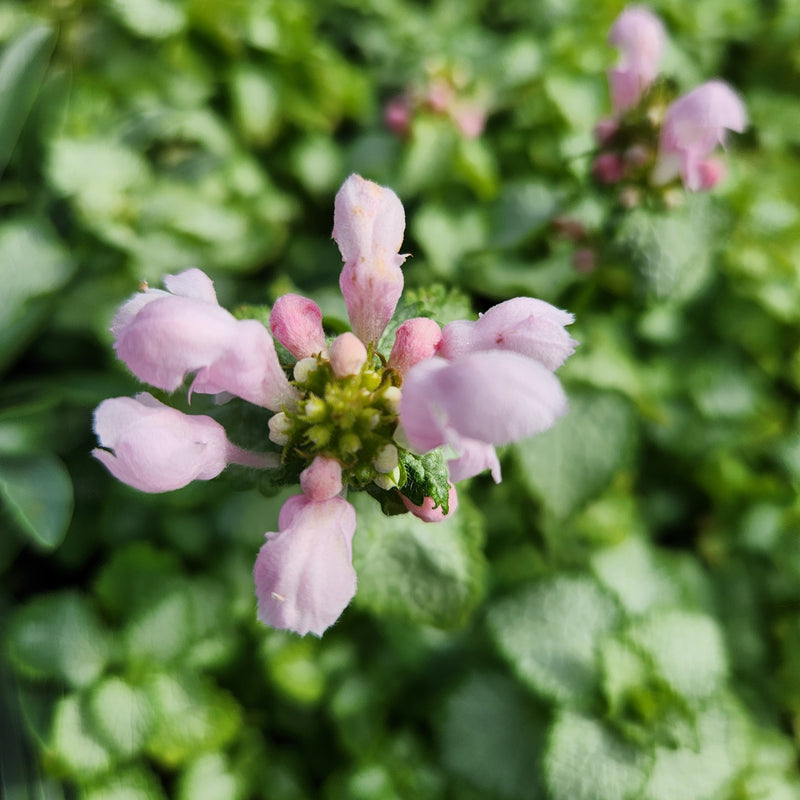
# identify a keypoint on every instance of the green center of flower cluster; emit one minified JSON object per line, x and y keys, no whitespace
{"x":351,"y":419}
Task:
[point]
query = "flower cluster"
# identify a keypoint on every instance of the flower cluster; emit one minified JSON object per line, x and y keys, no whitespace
{"x":652,"y":139}
{"x":403,"y":425}
{"x":445,"y":94}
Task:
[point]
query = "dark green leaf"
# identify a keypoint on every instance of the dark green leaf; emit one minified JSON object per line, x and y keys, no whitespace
{"x":426,"y":476}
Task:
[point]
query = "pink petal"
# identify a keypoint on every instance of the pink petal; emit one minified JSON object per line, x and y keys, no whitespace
{"x":474,"y":457}
{"x":157,"y":448}
{"x":640,"y":37}
{"x":492,"y":397}
{"x":427,"y":512}
{"x":522,"y":325}
{"x":304,"y":574}
{"x":192,"y":283}
{"x":368,"y":225}
{"x":416,"y":339}
{"x":296,"y":322}
{"x":347,"y":355}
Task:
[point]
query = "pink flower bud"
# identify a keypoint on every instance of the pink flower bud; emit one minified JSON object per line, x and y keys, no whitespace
{"x":584,"y":259}
{"x":440,"y":95}
{"x":322,"y":479}
{"x":694,"y":125}
{"x":304,"y":574}
{"x":368,"y":225}
{"x":605,"y":129}
{"x":427,"y":512}
{"x":416,"y":339}
{"x":523,"y":324}
{"x":155,"y":448}
{"x":711,"y":172}
{"x":639,"y":35}
{"x":470,"y":119}
{"x":397,"y":115}
{"x":608,"y":168}
{"x":296,"y":322}
{"x":347,"y":355}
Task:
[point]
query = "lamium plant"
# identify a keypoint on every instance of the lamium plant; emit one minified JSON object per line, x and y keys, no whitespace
{"x":401,"y":415}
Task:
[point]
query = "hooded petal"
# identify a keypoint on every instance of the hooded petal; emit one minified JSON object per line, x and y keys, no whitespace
{"x":474,"y":457}
{"x":368,"y":225}
{"x":155,"y":448}
{"x":522,"y":325}
{"x":639,"y":35}
{"x":304,"y":574}
{"x":693,"y":127}
{"x":493,"y":397}
{"x":296,"y":322}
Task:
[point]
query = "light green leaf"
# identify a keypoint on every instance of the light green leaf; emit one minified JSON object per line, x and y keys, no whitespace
{"x":190,"y":716}
{"x":687,"y":650}
{"x":210,"y":777}
{"x":587,"y":761}
{"x":153,"y":19}
{"x":58,"y":636}
{"x":427,"y":572}
{"x":22,"y":68}
{"x":520,"y":210}
{"x":550,"y":634}
{"x":37,"y":492}
{"x":446,"y":235}
{"x":133,"y":783}
{"x":492,"y":737}
{"x":577,"y":458}
{"x":74,"y":747}
{"x":256,"y":103}
{"x":120,"y":715}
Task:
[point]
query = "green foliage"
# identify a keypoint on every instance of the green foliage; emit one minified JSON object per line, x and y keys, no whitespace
{"x":618,"y":619}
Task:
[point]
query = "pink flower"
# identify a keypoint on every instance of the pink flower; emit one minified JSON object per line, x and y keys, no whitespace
{"x":304,"y":574}
{"x":296,"y":322}
{"x":368,"y":224}
{"x":639,"y":35}
{"x":163,"y":336}
{"x":693,"y":127}
{"x":608,"y":168}
{"x":155,"y":448}
{"x":523,"y":325}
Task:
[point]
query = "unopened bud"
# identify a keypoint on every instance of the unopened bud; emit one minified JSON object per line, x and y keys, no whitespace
{"x":303,"y":369}
{"x":314,"y":409}
{"x":608,"y":168}
{"x":389,"y":480}
{"x":386,"y":459}
{"x":347,"y":354}
{"x":350,"y":444}
{"x":319,"y":435}
{"x":279,"y":427}
{"x":322,"y":479}
{"x":391,"y":396}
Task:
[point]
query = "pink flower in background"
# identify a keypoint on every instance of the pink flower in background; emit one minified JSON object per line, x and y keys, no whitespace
{"x":640,"y":37}
{"x":348,"y":414}
{"x":694,"y":125}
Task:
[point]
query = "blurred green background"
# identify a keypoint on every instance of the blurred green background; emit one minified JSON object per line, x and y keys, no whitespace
{"x":620,"y":618}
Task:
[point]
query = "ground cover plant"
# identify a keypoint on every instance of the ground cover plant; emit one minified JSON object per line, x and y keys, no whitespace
{"x":618,"y":617}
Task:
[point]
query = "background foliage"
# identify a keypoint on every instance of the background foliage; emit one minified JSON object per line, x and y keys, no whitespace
{"x":620,"y":618}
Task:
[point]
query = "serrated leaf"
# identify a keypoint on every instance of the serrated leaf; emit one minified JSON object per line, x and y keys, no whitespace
{"x":576,"y":459}
{"x":587,"y":761}
{"x":426,"y":476}
{"x":431,"y":573}
{"x":492,"y":737}
{"x":550,"y":634}
{"x":58,"y":636}
{"x":37,"y":492}
{"x":23,"y":64}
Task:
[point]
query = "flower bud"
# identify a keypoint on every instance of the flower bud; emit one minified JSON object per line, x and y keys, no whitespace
{"x":348,"y":355}
{"x":427,"y":512}
{"x":386,"y":459}
{"x":279,"y":428}
{"x":303,"y":369}
{"x":296,"y":322}
{"x":322,"y":479}
{"x":415,"y":340}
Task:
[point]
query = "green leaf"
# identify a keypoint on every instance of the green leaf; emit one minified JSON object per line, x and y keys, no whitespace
{"x":210,"y":777}
{"x":686,"y":648}
{"x":426,"y":476}
{"x":550,"y":634}
{"x":520,"y":210}
{"x":576,"y":459}
{"x":256,"y":103}
{"x":133,"y":783}
{"x":120,"y":715}
{"x":190,"y":716}
{"x":431,"y":573}
{"x":37,"y":492}
{"x":74,"y":747}
{"x":492,"y":737}
{"x":22,"y":68}
{"x":586,"y":761}
{"x":58,"y":636}
{"x":446,"y":235}
{"x":153,"y":19}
